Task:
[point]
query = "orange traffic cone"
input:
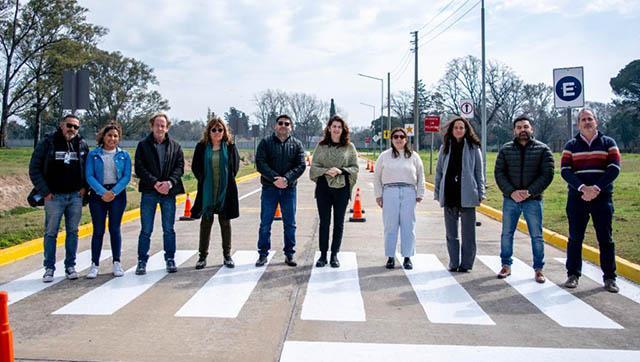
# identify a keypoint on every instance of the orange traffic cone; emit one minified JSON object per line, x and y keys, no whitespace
{"x":368,"y":164}
{"x":357,"y":211}
{"x":278,"y":214}
{"x":356,"y":198}
{"x":187,"y":210}
{"x":6,"y":335}
{"x":371,"y":169}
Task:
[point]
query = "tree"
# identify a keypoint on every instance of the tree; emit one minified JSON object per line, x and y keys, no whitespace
{"x":626,"y":84}
{"x":186,"y":130}
{"x":29,"y":30}
{"x":270,"y":104}
{"x":307,"y":112}
{"x":238,"y":121}
{"x":625,"y":121}
{"x":120,"y":91}
{"x":332,"y":109}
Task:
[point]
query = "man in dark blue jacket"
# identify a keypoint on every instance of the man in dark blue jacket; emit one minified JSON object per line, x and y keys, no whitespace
{"x":280,"y":161}
{"x":57,"y":173}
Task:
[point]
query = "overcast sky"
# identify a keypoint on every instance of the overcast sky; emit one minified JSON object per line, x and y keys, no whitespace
{"x":219,"y":54}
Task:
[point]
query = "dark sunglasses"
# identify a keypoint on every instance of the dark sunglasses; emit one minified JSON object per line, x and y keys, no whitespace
{"x":283,"y":123}
{"x":71,"y":125}
{"x":398,"y":137}
{"x":218,"y":130}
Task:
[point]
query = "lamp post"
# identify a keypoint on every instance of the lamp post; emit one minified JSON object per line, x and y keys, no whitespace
{"x":381,"y":102}
{"x":374,"y":118}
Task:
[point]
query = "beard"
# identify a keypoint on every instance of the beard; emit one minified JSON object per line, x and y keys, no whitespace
{"x":524,"y":136}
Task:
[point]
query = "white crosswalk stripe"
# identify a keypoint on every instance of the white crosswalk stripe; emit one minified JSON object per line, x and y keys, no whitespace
{"x":628,"y":289}
{"x":118,"y":292}
{"x":32,"y":283}
{"x":333,"y":294}
{"x":558,"y":304}
{"x":224,"y":295}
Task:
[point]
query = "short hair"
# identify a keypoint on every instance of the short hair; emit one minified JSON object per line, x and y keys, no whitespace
{"x":68,"y":116}
{"x":587,"y":109}
{"x":522,"y":118}
{"x":104,"y":130}
{"x":159,"y":114}
{"x":285,"y":116}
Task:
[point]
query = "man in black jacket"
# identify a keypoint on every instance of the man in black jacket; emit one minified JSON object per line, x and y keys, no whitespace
{"x":159,"y":164}
{"x":280,"y":161}
{"x":524,"y":169}
{"x":57,"y":173}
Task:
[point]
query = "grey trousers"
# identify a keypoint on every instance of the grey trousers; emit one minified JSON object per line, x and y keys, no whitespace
{"x":468,"y":217}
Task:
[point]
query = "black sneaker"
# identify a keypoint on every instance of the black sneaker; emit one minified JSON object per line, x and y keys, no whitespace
{"x":391,"y":263}
{"x":228,"y":262}
{"x":453,"y":270}
{"x":611,"y":286}
{"x":407,"y":264}
{"x":290,"y":261}
{"x":335,"y":263}
{"x":201,"y":263}
{"x":572,"y":282}
{"x":171,"y":266}
{"x":463,"y":270}
{"x":71,"y":273}
{"x":48,"y":275}
{"x":141,"y":269}
{"x":262,"y":260}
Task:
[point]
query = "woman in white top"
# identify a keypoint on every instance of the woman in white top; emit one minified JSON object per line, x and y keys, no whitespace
{"x":399,"y":185}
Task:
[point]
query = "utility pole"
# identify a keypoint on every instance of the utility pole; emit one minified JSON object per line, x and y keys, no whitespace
{"x":416,"y":133}
{"x":484,"y":101}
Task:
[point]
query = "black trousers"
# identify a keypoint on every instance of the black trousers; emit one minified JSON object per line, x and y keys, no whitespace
{"x":326,"y":199}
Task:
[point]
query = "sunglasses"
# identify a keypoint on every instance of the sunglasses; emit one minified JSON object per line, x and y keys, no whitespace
{"x":283,"y":123}
{"x":398,"y":137}
{"x":217,"y":130}
{"x":71,"y":125}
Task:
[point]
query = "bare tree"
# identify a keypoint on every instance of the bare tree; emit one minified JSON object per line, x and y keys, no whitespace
{"x":308,"y":113}
{"x":270,"y":104}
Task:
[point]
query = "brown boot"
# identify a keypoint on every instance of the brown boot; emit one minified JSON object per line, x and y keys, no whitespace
{"x":540,"y":277}
{"x":504,"y":272}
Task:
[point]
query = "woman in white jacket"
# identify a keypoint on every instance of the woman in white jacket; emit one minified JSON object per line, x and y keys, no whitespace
{"x":399,"y":185}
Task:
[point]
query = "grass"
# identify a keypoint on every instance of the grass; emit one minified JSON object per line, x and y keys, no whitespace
{"x":626,"y":232}
{"x":22,"y":224}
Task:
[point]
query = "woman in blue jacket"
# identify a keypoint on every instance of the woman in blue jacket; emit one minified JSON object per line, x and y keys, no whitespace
{"x":108,"y":172}
{"x":459,"y":187}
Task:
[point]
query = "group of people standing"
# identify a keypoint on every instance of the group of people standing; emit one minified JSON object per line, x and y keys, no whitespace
{"x":66,"y":175}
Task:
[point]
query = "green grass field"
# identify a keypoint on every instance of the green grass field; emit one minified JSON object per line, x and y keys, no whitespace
{"x":626,"y":232}
{"x":21,"y":224}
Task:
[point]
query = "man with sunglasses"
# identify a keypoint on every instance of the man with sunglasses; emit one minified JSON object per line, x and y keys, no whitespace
{"x":57,"y":173}
{"x":280,"y":161}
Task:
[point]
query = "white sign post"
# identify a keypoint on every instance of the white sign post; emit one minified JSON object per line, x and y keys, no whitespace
{"x":467,"y":108}
{"x":568,"y":84}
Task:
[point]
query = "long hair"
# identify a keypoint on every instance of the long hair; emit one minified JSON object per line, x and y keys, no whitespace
{"x":216,"y":121}
{"x":407,"y":149}
{"x":344,"y":136}
{"x":469,"y":134}
{"x":104,"y":130}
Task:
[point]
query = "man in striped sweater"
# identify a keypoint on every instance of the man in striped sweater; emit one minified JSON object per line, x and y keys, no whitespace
{"x":590,"y":163}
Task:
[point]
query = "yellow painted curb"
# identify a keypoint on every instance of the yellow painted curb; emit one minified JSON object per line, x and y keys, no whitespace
{"x":35,"y":246}
{"x":624,"y":267}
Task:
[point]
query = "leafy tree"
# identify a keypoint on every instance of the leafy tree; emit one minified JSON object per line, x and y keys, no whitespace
{"x":238,"y":121}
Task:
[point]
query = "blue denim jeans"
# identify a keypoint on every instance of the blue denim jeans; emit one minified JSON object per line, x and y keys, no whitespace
{"x":270,"y":197}
{"x":69,"y":205}
{"x":532,"y":212}
{"x":148,"y":204}
{"x":399,"y":212}
{"x":99,"y":212}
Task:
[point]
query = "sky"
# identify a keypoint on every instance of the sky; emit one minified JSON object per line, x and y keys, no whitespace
{"x":219,"y":54}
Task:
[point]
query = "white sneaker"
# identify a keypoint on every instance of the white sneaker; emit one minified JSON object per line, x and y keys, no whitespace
{"x":48,"y":275}
{"x":93,"y":271}
{"x":117,"y":269}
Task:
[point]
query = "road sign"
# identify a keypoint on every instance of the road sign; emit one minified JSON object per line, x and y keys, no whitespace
{"x":376,"y":138}
{"x":432,"y":124}
{"x":568,"y":84}
{"x":75,"y":90}
{"x":367,"y":140}
{"x":386,"y":134}
{"x":467,"y":108}
{"x":409,"y":128}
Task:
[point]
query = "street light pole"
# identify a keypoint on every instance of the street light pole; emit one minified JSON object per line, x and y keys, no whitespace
{"x":381,"y":101}
{"x":374,"y":118}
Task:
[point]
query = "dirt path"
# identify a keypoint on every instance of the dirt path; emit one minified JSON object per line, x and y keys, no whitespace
{"x":14,"y":190}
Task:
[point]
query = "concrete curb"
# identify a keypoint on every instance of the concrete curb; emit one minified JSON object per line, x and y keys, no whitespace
{"x":35,"y":246}
{"x":624,"y":267}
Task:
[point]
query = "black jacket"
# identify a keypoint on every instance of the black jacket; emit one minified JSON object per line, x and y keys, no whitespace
{"x":147,"y":165}
{"x":230,"y":209}
{"x":529,"y":167}
{"x":277,"y":158}
{"x":44,"y":155}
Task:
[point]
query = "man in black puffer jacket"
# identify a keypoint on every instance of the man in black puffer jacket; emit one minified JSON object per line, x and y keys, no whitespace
{"x":524,"y":169}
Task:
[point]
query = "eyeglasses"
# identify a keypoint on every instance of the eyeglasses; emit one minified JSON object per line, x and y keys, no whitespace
{"x":218,"y":130}
{"x":71,"y":125}
{"x":398,"y":137}
{"x":283,"y":123}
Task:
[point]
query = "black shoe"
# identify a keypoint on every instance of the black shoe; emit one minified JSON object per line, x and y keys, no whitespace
{"x":391,"y":263}
{"x":407,"y":264}
{"x":262,"y":260}
{"x":228,"y":262}
{"x":289,"y":260}
{"x":201,"y":263}
{"x":611,"y":286}
{"x":453,"y":270}
{"x":322,"y":261}
{"x":141,"y":269}
{"x":335,"y":263}
{"x":463,"y":270}
{"x":171,"y":266}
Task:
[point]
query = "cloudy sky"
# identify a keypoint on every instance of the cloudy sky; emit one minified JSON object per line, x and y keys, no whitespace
{"x":219,"y":54}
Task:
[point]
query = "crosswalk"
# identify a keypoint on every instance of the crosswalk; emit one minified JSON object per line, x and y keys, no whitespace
{"x":331,"y":294}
